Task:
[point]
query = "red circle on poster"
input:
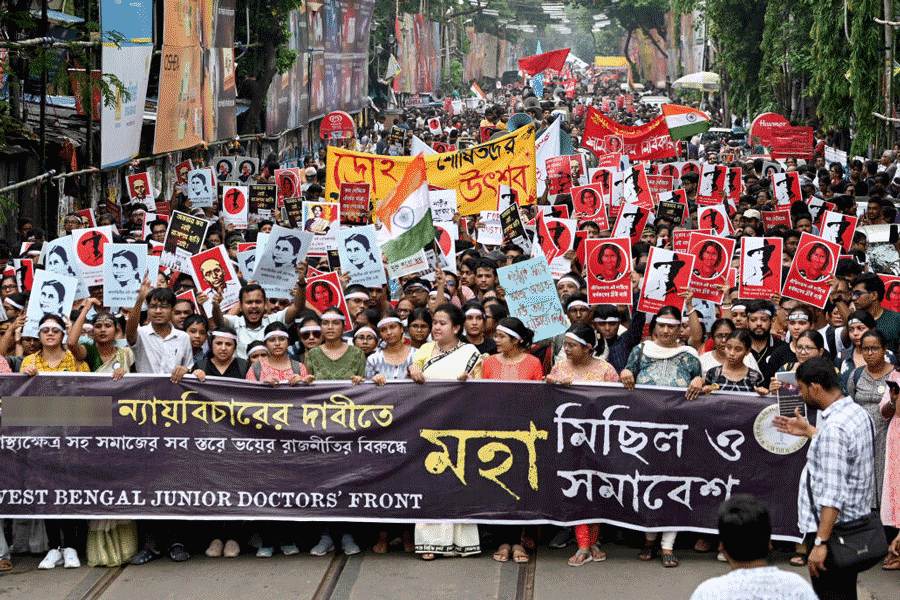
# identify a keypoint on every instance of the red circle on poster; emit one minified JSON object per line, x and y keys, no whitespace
{"x":337,"y":125}
{"x":234,"y":201}
{"x":90,"y":248}
{"x":766,"y":126}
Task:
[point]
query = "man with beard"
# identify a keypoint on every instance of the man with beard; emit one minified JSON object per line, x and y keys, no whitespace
{"x":764,"y":344}
{"x":607,"y":321}
{"x":867,"y":294}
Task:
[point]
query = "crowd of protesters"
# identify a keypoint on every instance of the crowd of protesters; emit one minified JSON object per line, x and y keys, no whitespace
{"x":457,"y":326}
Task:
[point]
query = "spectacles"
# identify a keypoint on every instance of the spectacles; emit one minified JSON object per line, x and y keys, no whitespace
{"x":858,"y":293}
{"x":806,"y":349}
{"x":9,"y":287}
{"x":871,"y":349}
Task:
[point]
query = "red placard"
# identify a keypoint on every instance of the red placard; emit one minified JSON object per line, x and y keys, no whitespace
{"x":631,"y":222}
{"x":668,"y":274}
{"x":771,"y":218}
{"x":838,"y":228}
{"x":87,"y":215}
{"x":555,"y":236}
{"x":760,"y":276}
{"x":608,"y":270}
{"x":765,"y":127}
{"x":288,"y":182}
{"x":811,"y":270}
{"x":891,"y":292}
{"x":190,"y":297}
{"x":645,"y":142}
{"x":355,"y":201}
{"x":244,"y":246}
{"x":636,"y":188}
{"x":670,"y":170}
{"x":681,"y":240}
{"x":794,"y":141}
{"x":325,"y":291}
{"x":735,"y":184}
{"x":712,"y":183}
{"x":713,"y":254}
{"x":786,"y":188}
{"x":337,"y":125}
{"x":660,"y":183}
{"x":588,"y":200}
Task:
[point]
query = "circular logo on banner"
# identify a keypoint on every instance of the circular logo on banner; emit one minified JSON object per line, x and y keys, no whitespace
{"x":607,"y":262}
{"x":770,"y":438}
{"x":404,"y":217}
{"x":234,"y":201}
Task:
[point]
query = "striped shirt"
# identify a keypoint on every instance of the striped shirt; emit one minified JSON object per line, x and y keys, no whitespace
{"x":840,"y":464}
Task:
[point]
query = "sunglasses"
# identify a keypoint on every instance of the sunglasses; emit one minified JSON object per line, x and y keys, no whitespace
{"x":310,"y":334}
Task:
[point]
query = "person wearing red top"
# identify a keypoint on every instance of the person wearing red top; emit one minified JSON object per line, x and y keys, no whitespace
{"x":512,"y":363}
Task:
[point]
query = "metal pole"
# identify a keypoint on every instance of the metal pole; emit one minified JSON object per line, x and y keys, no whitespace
{"x":42,"y":159}
{"x":888,"y":69}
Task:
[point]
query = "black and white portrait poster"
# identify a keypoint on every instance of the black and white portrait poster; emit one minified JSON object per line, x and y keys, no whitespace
{"x":247,"y":169}
{"x":247,"y":263}
{"x":361,"y":256}
{"x":201,"y":187}
{"x":124,"y":267}
{"x":235,"y":205}
{"x":225,"y":168}
{"x":276,"y":265}
{"x":51,"y":294}
{"x":89,"y":245}
{"x":59,"y":258}
{"x":760,"y":270}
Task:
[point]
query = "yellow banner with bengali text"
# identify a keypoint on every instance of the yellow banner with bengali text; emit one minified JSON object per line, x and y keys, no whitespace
{"x":475,"y":173}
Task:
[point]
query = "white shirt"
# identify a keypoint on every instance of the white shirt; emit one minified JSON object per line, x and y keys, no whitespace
{"x":761,"y":583}
{"x":246,"y":335}
{"x":155,"y":354}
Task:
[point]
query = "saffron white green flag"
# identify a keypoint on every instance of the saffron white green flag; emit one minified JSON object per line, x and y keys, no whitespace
{"x":393,"y":68}
{"x":406,"y":215}
{"x":684,"y":122}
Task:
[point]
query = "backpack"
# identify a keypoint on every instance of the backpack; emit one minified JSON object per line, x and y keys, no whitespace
{"x":257,"y":369}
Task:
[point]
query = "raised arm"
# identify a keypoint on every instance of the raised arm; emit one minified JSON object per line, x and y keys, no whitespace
{"x":134,"y":316}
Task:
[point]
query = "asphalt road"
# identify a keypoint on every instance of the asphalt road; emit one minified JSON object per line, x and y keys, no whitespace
{"x":395,"y":575}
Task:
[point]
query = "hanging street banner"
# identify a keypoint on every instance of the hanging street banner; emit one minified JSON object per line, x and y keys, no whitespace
{"x":646,"y":142}
{"x":144,"y":447}
{"x":476,"y":173}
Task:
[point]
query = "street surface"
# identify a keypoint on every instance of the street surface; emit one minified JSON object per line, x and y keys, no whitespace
{"x":396,"y":575}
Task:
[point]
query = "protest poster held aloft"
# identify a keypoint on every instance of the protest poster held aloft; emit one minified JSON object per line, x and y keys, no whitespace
{"x":760,"y":270}
{"x":588,"y":200}
{"x":715,"y":218}
{"x":59,"y":258}
{"x":532,"y":298}
{"x":323,"y":220}
{"x":89,"y":244}
{"x":235,"y":206}
{"x":814,"y":264}
{"x":213,"y":273}
{"x":667,"y":275}
{"x":325,"y":291}
{"x":288,"y":182}
{"x":445,"y":236}
{"x":713,"y":259}
{"x":124,"y":268}
{"x":52,"y":294}
{"x":360,"y":256}
{"x":184,"y":238}
{"x":636,"y":188}
{"x":631,"y":222}
{"x":608,"y":264}
{"x":201,"y":187}
{"x":838,"y":228}
{"x":263,"y":201}
{"x":276,"y":263}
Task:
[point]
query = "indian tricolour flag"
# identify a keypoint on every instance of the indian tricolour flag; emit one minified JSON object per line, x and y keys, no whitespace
{"x":476,"y":90}
{"x":684,"y":122}
{"x":406,"y":215}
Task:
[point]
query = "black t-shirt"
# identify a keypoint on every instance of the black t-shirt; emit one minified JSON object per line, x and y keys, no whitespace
{"x":768,"y":365}
{"x":488,"y":346}
{"x":237,"y":369}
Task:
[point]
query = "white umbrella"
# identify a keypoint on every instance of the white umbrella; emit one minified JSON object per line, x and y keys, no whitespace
{"x":704,"y":80}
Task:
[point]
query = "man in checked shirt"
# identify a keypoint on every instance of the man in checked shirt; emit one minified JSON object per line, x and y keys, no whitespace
{"x":840,"y":466}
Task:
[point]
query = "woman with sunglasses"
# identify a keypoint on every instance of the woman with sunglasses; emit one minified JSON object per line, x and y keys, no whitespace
{"x":103,"y":355}
{"x":309,"y":331}
{"x":391,"y":362}
{"x":64,"y":534}
{"x":335,"y":359}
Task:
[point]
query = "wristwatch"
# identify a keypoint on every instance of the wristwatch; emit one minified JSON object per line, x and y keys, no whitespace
{"x":819,"y":542}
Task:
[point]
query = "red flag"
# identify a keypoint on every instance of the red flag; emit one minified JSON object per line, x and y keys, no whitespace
{"x":548,"y":60}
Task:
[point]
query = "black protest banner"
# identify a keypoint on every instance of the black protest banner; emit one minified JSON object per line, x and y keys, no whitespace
{"x":263,"y":200}
{"x":442,"y":451}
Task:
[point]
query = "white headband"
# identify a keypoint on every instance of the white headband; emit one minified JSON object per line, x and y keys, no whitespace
{"x":414,"y":286}
{"x":14,"y":304}
{"x":578,"y":303}
{"x":310,"y":328}
{"x":387,"y":320}
{"x":607,"y":320}
{"x":332,"y":317}
{"x":569,"y":279}
{"x":764,"y":311}
{"x":224,"y":334}
{"x":354,"y":295}
{"x":571,"y":335}
{"x":258,"y":349}
{"x":509,"y":332}
{"x":434,"y":293}
{"x":364,"y":330}
{"x":474,"y":311}
{"x":853,"y":322}
{"x":668,"y":321}
{"x":798,"y":317}
{"x":276,"y":333}
{"x":739,"y":307}
{"x":50,"y":325}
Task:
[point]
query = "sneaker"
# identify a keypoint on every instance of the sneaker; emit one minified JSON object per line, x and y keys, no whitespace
{"x":563,"y":538}
{"x":325,"y":545}
{"x":53,"y":559}
{"x":348,"y":545}
{"x":177,"y":553}
{"x":215,"y":549}
{"x":232,"y":549}
{"x":290,"y":549}
{"x":70,"y":558}
{"x":265,"y":552}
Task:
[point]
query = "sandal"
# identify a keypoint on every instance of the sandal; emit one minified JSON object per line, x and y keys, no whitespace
{"x":519,"y":554}
{"x":5,"y":565}
{"x":891,"y":563}
{"x":597,"y":555}
{"x":669,"y":560}
{"x":798,"y":560}
{"x":428,"y":556}
{"x":703,"y":545}
{"x":582,"y":553}
{"x":502,"y":553}
{"x":647,"y":552}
